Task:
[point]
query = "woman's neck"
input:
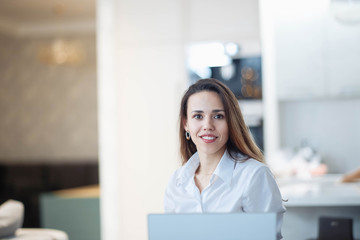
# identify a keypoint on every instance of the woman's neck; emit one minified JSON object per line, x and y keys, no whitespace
{"x":209,"y":162}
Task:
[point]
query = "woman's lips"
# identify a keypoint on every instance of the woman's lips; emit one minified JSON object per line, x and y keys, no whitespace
{"x":208,"y":138}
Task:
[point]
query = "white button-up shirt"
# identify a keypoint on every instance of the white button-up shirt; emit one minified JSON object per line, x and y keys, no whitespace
{"x":235,"y":186}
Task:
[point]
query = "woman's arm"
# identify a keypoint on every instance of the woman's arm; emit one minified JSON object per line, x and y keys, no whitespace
{"x":263,"y":195}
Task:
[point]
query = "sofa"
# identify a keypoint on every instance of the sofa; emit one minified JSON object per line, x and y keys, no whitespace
{"x":11,"y":220}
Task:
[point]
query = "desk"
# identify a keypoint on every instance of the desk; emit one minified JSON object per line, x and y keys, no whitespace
{"x":308,"y":199}
{"x":319,"y":191}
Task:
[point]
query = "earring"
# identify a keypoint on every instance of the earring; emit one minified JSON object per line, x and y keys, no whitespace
{"x":187,"y":135}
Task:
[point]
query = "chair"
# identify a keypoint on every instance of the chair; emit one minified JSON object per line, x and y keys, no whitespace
{"x":11,"y":220}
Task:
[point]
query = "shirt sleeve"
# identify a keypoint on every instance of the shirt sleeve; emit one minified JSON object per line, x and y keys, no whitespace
{"x":263,"y":195}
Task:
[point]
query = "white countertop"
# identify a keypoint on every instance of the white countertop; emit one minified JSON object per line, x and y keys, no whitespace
{"x":319,"y":191}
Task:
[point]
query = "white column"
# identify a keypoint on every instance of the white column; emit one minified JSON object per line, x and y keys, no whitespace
{"x":271,"y":108}
{"x":108,"y":116}
{"x":141,"y":77}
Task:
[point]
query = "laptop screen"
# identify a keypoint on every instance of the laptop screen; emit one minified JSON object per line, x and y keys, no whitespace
{"x":214,"y":226}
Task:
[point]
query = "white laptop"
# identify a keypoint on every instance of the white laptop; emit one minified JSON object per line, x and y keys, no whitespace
{"x":214,"y":226}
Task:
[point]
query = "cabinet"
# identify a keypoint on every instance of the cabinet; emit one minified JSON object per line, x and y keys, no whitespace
{"x":315,"y":55}
{"x":342,"y":57}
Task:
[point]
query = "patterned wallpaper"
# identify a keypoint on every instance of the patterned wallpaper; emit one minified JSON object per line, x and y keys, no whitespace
{"x":47,"y":112}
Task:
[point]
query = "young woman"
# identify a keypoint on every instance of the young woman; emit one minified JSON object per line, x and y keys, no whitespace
{"x":223,"y":169}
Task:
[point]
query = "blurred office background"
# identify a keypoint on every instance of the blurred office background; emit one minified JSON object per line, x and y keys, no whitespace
{"x":90,"y":91}
{"x":48,"y":105}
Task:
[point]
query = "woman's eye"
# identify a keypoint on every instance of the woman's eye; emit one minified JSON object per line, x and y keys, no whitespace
{"x":219,"y":116}
{"x":197,"y":116}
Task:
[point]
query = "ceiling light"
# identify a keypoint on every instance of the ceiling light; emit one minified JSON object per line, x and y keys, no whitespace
{"x":61,"y":52}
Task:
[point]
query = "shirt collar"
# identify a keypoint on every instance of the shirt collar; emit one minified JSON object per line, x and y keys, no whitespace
{"x":188,"y":170}
{"x":224,"y":169}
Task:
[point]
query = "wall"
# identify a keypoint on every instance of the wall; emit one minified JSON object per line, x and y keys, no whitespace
{"x":48,"y":112}
{"x":331,"y":126}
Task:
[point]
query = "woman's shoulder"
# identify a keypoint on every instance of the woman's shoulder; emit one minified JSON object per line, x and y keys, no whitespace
{"x":250,"y":166}
{"x":251,"y":171}
{"x":251,"y":162}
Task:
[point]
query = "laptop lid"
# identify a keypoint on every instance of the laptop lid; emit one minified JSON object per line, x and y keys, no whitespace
{"x":214,"y":226}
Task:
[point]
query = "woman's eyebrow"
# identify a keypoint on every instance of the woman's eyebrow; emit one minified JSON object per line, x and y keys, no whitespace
{"x":197,"y":111}
{"x":214,"y":111}
{"x":218,"y":110}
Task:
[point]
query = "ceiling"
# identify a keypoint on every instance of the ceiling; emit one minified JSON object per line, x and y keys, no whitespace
{"x":23,"y":17}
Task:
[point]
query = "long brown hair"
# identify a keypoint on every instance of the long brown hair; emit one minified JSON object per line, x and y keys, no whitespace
{"x":240,"y":139}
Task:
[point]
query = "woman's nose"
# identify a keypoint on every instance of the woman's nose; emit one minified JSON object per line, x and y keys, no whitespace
{"x":208,"y":124}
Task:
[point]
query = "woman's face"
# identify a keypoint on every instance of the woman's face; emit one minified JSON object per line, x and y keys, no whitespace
{"x":206,"y":122}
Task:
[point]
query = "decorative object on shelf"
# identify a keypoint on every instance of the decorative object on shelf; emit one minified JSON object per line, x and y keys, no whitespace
{"x":245,"y":80}
{"x":303,"y":162}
